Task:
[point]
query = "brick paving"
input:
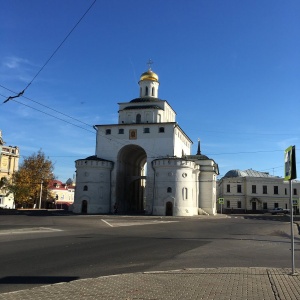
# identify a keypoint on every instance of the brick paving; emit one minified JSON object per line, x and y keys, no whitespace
{"x":209,"y":283}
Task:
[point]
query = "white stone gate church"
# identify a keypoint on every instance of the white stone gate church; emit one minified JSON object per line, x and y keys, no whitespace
{"x":144,"y":164}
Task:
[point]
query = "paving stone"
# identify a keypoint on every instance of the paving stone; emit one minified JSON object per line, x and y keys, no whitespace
{"x":209,"y":283}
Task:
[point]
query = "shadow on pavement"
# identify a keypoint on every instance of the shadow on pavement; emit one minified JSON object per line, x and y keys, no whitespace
{"x":36,"y":279}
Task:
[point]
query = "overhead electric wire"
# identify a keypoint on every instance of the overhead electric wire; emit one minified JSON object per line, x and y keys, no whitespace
{"x":115,"y":137}
{"x":45,"y":64}
{"x":53,"y":116}
{"x":51,"y":56}
{"x":246,"y":152}
{"x":46,"y":107}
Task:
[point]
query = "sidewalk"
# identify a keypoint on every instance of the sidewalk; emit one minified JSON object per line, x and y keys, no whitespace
{"x":211,"y":283}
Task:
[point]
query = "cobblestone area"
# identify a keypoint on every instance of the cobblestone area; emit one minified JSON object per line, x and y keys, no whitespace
{"x":211,"y":283}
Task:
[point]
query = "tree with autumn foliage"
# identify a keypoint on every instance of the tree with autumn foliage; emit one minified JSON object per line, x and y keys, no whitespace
{"x":34,"y":171}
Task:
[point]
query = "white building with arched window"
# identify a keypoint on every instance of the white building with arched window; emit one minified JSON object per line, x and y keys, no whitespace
{"x":144,"y":164}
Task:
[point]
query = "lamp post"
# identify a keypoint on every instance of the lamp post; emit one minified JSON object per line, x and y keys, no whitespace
{"x":41,"y":190}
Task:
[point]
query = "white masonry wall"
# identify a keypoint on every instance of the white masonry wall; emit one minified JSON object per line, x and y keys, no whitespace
{"x":95,"y":175}
{"x":175,"y":182}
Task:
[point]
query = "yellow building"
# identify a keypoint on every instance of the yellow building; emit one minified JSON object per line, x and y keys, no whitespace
{"x":9,"y":163}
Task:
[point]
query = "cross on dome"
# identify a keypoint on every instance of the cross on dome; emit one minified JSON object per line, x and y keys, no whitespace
{"x":149,"y":63}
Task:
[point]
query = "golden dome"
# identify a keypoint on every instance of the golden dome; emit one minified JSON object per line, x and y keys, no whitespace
{"x":149,"y":75}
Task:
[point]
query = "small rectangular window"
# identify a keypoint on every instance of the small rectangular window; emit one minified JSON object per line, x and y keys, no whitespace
{"x":184,"y":193}
{"x":239,"y":188}
{"x":265,"y":205}
{"x":228,"y":188}
{"x":146,"y":130}
{"x":275,"y":189}
{"x":285,"y":191}
{"x":265,"y":189}
{"x":276,"y":205}
{"x":228,"y":204}
{"x":239,"y":204}
{"x":295,"y":191}
{"x":253,"y":189}
{"x":161,"y":129}
{"x":108,"y":131}
{"x":121,"y":131}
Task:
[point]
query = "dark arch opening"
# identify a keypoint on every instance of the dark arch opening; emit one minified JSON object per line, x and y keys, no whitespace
{"x":169,"y":208}
{"x":84,"y":207}
{"x":131,"y":179}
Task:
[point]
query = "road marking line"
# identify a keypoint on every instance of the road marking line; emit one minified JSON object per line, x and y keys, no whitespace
{"x":107,"y":223}
{"x":135,"y":223}
{"x":28,"y":230}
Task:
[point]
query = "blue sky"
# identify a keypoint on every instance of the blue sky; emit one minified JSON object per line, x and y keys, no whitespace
{"x":230,"y":69}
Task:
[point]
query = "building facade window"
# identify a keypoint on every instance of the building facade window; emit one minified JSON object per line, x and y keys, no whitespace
{"x":169,"y":190}
{"x":285,"y":191}
{"x":275,"y":189}
{"x":265,"y":189}
{"x":138,"y":118}
{"x":147,"y":130}
{"x":276,"y":205}
{"x":295,"y":191}
{"x":121,"y":131}
{"x":228,"y":188}
{"x":239,"y":188}
{"x":161,"y":129}
{"x":239,"y":204}
{"x":265,"y":205}
{"x":253,"y":189}
{"x":146,"y":91}
{"x":228,"y":204}
{"x":85,"y":188}
{"x":184,"y":193}
{"x":108,"y":131}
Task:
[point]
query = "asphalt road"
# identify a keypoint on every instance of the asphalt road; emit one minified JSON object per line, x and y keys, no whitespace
{"x":43,"y":249}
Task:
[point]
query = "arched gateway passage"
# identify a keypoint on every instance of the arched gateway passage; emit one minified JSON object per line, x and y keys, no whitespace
{"x":131,"y":179}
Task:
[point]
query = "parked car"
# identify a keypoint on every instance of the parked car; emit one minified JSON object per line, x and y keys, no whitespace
{"x":279,"y":210}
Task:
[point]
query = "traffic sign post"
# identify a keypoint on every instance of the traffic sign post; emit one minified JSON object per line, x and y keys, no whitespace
{"x":290,"y":173}
{"x":221,"y":201}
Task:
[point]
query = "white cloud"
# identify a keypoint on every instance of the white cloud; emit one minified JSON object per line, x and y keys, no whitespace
{"x":14,"y":62}
{"x":13,"y":67}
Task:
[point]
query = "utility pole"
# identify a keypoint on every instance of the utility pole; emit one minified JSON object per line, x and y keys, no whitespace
{"x":41,"y":191}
